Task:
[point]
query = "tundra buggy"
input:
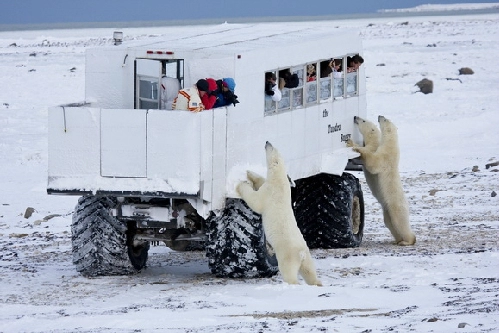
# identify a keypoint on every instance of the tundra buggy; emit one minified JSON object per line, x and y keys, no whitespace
{"x":148,"y":174}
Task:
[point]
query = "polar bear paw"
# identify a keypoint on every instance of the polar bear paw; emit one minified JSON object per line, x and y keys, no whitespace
{"x":350,"y":143}
{"x":409,"y":242}
{"x":242,"y":185}
{"x":255,"y":179}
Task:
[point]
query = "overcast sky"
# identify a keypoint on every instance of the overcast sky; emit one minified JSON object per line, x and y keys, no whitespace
{"x":62,"y":11}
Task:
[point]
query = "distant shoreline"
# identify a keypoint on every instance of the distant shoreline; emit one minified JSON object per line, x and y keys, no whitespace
{"x":138,"y":24}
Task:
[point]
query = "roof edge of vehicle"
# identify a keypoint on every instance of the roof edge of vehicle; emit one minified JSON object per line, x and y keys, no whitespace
{"x":231,"y":39}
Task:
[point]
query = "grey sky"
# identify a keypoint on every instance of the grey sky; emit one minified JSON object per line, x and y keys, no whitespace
{"x":63,"y":11}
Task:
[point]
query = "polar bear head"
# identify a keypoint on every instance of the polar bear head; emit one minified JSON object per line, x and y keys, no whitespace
{"x":370,"y":132}
{"x":388,"y":131}
{"x":386,"y":125}
{"x":275,"y":163}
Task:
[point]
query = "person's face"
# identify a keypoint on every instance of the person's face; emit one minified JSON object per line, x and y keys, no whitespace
{"x":335,"y":65}
{"x":356,"y":65}
{"x":202,"y":93}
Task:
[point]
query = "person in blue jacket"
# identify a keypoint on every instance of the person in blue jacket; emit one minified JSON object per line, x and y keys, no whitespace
{"x":225,"y":92}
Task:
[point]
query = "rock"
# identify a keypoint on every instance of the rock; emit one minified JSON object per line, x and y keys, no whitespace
{"x":18,"y":235}
{"x":462,"y":325}
{"x":432,"y":192}
{"x":432,"y":320}
{"x":37,"y":222}
{"x":425,"y":86}
{"x":466,"y":71}
{"x":29,"y":211}
{"x":475,"y":168}
{"x":381,"y":65}
{"x":493,"y":194}
{"x":48,"y":217}
{"x":488,"y":165}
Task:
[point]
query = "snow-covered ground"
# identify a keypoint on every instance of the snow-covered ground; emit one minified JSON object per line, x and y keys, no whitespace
{"x":447,"y":282}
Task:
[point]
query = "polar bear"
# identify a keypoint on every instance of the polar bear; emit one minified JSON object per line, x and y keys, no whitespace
{"x":372,"y":138}
{"x":271,"y":197}
{"x":382,"y":175}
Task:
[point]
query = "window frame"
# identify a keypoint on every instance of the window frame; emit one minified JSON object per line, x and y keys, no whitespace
{"x":162,"y":71}
{"x":291,"y":94}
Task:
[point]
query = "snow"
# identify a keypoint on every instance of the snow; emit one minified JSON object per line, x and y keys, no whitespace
{"x":446,"y":7}
{"x":447,"y":280}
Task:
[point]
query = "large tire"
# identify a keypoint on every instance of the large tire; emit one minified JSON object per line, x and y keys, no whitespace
{"x":102,"y":245}
{"x":236,"y":246}
{"x":329,"y":210}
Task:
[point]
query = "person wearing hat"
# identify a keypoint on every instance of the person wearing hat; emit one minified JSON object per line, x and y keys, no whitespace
{"x":207,"y":92}
{"x":225,"y":92}
{"x":271,"y":89}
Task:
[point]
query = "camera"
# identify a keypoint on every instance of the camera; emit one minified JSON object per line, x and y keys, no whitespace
{"x":230,"y":97}
{"x":268,"y":88}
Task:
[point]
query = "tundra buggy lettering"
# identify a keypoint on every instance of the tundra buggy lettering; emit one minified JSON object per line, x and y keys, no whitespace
{"x":345,"y":137}
{"x":145,"y":173}
{"x":332,"y":129}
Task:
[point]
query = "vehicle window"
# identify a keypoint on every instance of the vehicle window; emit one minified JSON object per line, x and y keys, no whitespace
{"x":312,"y":83}
{"x":351,"y":83}
{"x":148,"y":92}
{"x":270,"y":104}
{"x":297,"y":93}
{"x":174,"y":68}
{"x":291,"y":84}
{"x":147,"y":75}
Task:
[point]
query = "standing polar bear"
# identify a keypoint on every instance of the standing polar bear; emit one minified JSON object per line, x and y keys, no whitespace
{"x":271,"y":198}
{"x":381,"y":159}
{"x":372,"y":138}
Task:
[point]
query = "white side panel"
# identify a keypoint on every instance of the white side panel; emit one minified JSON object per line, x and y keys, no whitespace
{"x":311,"y":125}
{"x":206,"y":153}
{"x":174,"y":149}
{"x":219,"y":156}
{"x":297,"y":126}
{"x":246,"y":132}
{"x":73,"y":142}
{"x":357,"y":137}
{"x":109,"y":81}
{"x":123,"y":143}
{"x":352,"y":107}
{"x":305,"y":144}
{"x":333,"y":125}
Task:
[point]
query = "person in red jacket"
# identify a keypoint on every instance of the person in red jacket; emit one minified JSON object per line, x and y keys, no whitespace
{"x":208,"y":92}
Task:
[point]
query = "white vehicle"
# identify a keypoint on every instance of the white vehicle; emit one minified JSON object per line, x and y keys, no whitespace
{"x":147,"y":174}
